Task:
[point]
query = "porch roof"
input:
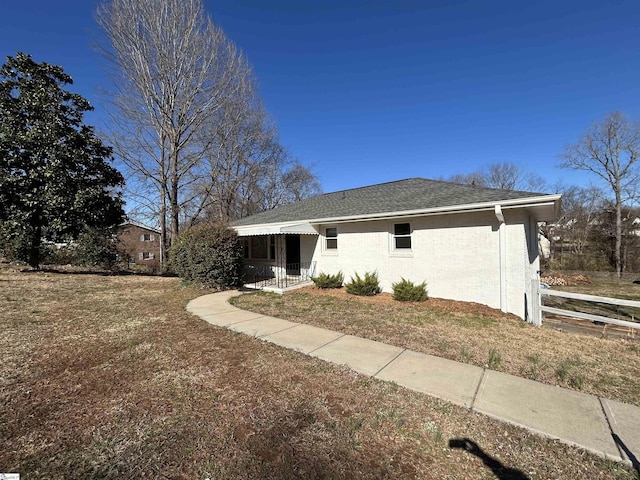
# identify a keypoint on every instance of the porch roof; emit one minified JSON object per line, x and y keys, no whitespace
{"x":276,"y":229}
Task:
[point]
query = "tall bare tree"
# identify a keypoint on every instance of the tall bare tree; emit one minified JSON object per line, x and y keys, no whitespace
{"x":247,"y":170}
{"x":609,"y":150}
{"x":174,"y":69}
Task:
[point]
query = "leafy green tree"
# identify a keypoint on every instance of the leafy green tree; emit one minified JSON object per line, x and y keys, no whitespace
{"x":55,"y":174}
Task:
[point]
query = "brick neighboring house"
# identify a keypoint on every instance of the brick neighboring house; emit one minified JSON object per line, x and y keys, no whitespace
{"x":138,"y":244}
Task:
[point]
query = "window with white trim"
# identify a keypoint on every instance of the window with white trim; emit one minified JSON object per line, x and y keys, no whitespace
{"x":147,"y":237}
{"x":146,"y":256}
{"x":331,"y":238}
{"x":402,"y":236}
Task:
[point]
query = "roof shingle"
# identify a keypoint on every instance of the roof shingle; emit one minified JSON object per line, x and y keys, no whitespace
{"x":397,"y":196}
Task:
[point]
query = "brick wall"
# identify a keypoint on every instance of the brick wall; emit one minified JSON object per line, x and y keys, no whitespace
{"x":138,"y":245}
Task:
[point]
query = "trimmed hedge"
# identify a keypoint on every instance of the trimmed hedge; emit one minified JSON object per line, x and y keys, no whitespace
{"x":407,"y":291}
{"x":367,"y":286}
{"x":324,"y":280}
{"x":209,"y":255}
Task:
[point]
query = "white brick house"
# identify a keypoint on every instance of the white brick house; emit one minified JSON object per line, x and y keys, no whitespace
{"x":468,"y":243}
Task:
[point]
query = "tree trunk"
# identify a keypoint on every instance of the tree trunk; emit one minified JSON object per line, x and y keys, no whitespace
{"x":36,"y":242}
{"x":618,"y":234}
{"x":163,"y":231}
{"x":175,"y":204}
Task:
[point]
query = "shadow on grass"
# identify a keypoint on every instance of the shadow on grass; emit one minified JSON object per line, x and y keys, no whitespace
{"x":501,"y":471}
{"x":104,"y":273}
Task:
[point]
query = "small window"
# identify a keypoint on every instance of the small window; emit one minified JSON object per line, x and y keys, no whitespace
{"x":146,"y":256}
{"x":402,"y":235}
{"x":147,"y":237}
{"x":331,"y":235}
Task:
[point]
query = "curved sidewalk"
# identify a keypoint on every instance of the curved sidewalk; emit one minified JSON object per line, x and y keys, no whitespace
{"x":605,"y":427}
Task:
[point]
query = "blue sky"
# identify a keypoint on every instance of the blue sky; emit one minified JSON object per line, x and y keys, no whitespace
{"x":369,"y":91}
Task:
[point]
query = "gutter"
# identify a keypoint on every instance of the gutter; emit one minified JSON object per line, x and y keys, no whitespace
{"x":529,"y":202}
{"x":502,"y":255}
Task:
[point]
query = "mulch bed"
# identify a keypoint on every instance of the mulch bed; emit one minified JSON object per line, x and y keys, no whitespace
{"x":441,"y":304}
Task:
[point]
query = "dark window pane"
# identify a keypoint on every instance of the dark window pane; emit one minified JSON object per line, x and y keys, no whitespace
{"x":402,"y":229}
{"x":403,"y":242}
{"x":332,"y":232}
{"x":259,"y":247}
{"x":332,"y":243}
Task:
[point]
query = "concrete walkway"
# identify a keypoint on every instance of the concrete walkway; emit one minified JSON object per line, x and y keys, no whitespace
{"x":602,"y":426}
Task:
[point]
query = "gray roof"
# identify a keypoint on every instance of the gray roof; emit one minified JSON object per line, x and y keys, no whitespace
{"x":401,"y":195}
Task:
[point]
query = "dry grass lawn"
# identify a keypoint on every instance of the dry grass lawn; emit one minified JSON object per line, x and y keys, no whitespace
{"x":109,"y":377}
{"x":468,"y":333}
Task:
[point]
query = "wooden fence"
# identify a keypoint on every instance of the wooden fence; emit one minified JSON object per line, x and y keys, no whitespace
{"x":588,"y":316}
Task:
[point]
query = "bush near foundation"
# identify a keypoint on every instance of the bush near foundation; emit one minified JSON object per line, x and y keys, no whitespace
{"x":367,"y":286}
{"x":324,"y":280}
{"x":209,"y":255}
{"x":407,"y":291}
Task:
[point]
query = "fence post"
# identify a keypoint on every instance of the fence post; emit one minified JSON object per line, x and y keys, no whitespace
{"x":536,"y":302}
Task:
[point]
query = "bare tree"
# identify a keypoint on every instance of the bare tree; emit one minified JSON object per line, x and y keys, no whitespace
{"x":503,"y":175}
{"x":247,"y":169}
{"x":174,"y":69}
{"x":609,"y":150}
{"x":573,"y":230}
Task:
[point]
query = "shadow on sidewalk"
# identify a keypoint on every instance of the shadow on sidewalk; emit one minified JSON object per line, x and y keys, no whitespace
{"x":501,"y":471}
{"x":627,"y":452}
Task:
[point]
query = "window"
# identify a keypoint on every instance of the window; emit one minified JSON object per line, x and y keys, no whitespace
{"x":146,"y":256}
{"x":331,"y":237}
{"x":147,"y":237}
{"x":402,"y":236}
{"x":259,"y":247}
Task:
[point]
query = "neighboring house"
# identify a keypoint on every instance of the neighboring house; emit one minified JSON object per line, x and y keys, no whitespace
{"x":138,"y":244}
{"x":468,"y":243}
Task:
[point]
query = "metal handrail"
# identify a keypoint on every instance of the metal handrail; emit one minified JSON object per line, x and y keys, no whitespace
{"x":264,"y":275}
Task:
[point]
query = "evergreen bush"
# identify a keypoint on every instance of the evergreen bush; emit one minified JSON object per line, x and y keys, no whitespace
{"x":324,"y":280}
{"x":95,"y":248}
{"x":209,"y":255}
{"x":367,"y":286}
{"x":407,"y":291}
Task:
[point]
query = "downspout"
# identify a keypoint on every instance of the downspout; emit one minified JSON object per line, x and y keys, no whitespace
{"x":502,"y":239}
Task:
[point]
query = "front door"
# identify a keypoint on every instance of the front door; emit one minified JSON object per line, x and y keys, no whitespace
{"x":293,"y":254}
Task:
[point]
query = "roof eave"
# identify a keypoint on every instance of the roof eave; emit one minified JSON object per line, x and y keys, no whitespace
{"x":544,"y":208}
{"x":547,"y":207}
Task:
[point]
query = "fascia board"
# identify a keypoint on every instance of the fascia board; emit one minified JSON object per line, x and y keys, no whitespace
{"x":528,"y":202}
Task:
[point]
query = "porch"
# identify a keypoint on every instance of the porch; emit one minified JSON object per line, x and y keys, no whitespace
{"x":278,"y":262}
{"x":279,"y":279}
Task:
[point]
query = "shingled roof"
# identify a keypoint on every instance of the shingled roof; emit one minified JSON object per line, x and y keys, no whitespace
{"x":403,"y":195}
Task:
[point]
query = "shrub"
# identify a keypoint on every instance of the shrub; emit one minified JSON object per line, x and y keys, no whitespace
{"x":407,"y":291}
{"x":367,"y":286}
{"x":209,"y":255}
{"x":324,"y":280}
{"x":95,"y":248}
